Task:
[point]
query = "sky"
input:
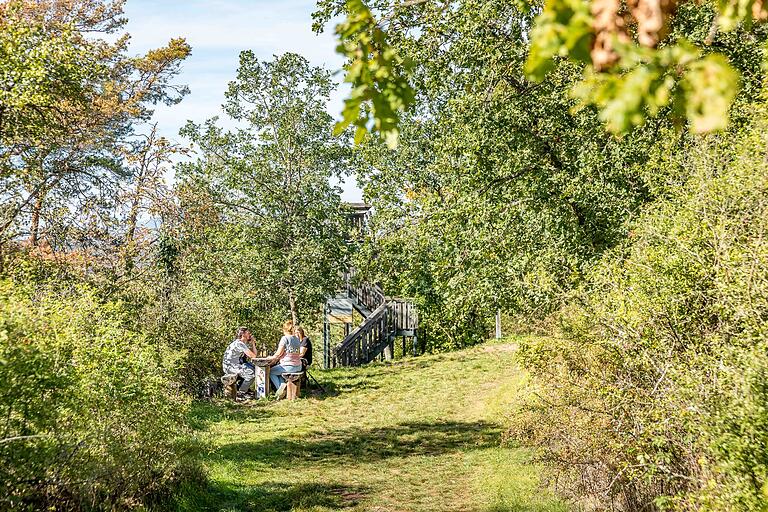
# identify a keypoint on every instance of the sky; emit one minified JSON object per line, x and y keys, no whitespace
{"x":218,"y":30}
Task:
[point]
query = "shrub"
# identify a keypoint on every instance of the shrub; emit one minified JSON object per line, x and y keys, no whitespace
{"x":89,"y":419}
{"x":200,"y":324}
{"x":655,"y":396}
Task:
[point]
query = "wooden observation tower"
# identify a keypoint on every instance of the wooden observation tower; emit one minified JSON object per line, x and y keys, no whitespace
{"x":361,"y":323}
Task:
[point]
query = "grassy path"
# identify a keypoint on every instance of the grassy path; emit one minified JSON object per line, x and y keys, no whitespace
{"x":419,"y":434}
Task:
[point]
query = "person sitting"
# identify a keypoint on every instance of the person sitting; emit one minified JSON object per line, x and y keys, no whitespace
{"x":236,"y":360}
{"x":306,"y":347}
{"x":289,"y":354}
{"x":306,"y":354}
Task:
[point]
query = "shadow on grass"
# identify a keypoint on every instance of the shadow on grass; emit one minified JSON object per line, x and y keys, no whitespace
{"x":375,"y":444}
{"x":273,"y":496}
{"x":339,"y":387}
{"x":553,"y":506}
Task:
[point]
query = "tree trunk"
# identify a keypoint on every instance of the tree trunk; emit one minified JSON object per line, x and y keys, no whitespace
{"x":129,"y":243}
{"x":294,"y":313}
{"x":34,"y":225}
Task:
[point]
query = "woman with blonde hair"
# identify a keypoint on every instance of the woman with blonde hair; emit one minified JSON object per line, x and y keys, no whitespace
{"x":289,"y":354}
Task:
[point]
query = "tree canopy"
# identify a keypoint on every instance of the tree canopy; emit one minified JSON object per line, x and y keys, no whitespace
{"x":637,"y":60}
{"x":270,"y":180}
{"x":70,"y":97}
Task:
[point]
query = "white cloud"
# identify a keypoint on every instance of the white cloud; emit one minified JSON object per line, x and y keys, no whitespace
{"x":265,"y":27}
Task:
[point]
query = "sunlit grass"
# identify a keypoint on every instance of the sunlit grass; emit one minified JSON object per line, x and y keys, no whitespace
{"x":420,"y":434}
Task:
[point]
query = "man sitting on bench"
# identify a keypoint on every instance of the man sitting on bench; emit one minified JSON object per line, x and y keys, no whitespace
{"x":236,"y":360}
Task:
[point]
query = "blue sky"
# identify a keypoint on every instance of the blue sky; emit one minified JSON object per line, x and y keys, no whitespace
{"x":218,"y":30}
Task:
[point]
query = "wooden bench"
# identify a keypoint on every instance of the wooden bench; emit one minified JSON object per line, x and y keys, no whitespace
{"x":230,"y":385}
{"x":293,"y":385}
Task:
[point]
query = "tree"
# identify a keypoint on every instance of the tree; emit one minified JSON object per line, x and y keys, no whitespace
{"x":506,"y":191}
{"x":653,"y":396}
{"x":146,"y":195}
{"x":282,"y":222}
{"x":103,"y":409}
{"x":640,"y":59}
{"x":498,"y":195}
{"x":69,"y":96}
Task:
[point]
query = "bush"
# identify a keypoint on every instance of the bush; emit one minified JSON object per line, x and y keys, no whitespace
{"x":89,"y":418}
{"x":655,"y":397}
{"x":200,"y":324}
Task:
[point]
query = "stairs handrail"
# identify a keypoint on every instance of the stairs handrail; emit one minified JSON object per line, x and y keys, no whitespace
{"x":384,"y":319}
{"x":369,"y":295}
{"x":363,"y":328}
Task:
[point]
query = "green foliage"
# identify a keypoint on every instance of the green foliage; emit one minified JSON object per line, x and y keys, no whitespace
{"x":377,"y":74}
{"x":203,"y":312}
{"x":709,"y":87}
{"x":38,"y":70}
{"x":696,"y":86}
{"x":69,"y":94}
{"x":89,"y":421}
{"x":496,"y":189}
{"x":676,"y":79}
{"x":630,"y":83}
{"x":652,"y":395}
{"x":499,"y":195}
{"x":564,"y":28}
{"x":264,"y":231}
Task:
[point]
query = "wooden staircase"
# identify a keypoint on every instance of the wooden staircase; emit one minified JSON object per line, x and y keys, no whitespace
{"x":384,"y":320}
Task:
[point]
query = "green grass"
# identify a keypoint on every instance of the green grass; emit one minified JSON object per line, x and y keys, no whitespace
{"x":420,"y":434}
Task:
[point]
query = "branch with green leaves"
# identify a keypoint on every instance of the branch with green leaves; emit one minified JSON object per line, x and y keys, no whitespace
{"x":631,"y":72}
{"x":635,"y":65}
{"x":380,"y":88}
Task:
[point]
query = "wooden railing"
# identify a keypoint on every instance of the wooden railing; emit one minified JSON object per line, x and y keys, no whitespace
{"x":384,"y":318}
{"x":364,"y":343}
{"x":369,"y":295}
{"x":395,"y":317}
{"x":405,"y":317}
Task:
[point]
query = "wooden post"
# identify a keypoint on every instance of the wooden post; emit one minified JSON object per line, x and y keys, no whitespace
{"x":230,"y":385}
{"x":498,"y":324}
{"x":326,"y":338}
{"x":293,"y":387}
{"x":388,"y":352}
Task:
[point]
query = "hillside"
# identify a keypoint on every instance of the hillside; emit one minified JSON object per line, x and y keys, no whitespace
{"x":420,"y":434}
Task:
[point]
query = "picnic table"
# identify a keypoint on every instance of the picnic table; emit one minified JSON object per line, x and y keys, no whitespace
{"x":261,"y":382}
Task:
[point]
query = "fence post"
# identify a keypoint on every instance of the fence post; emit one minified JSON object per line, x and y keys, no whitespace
{"x":326,"y":338}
